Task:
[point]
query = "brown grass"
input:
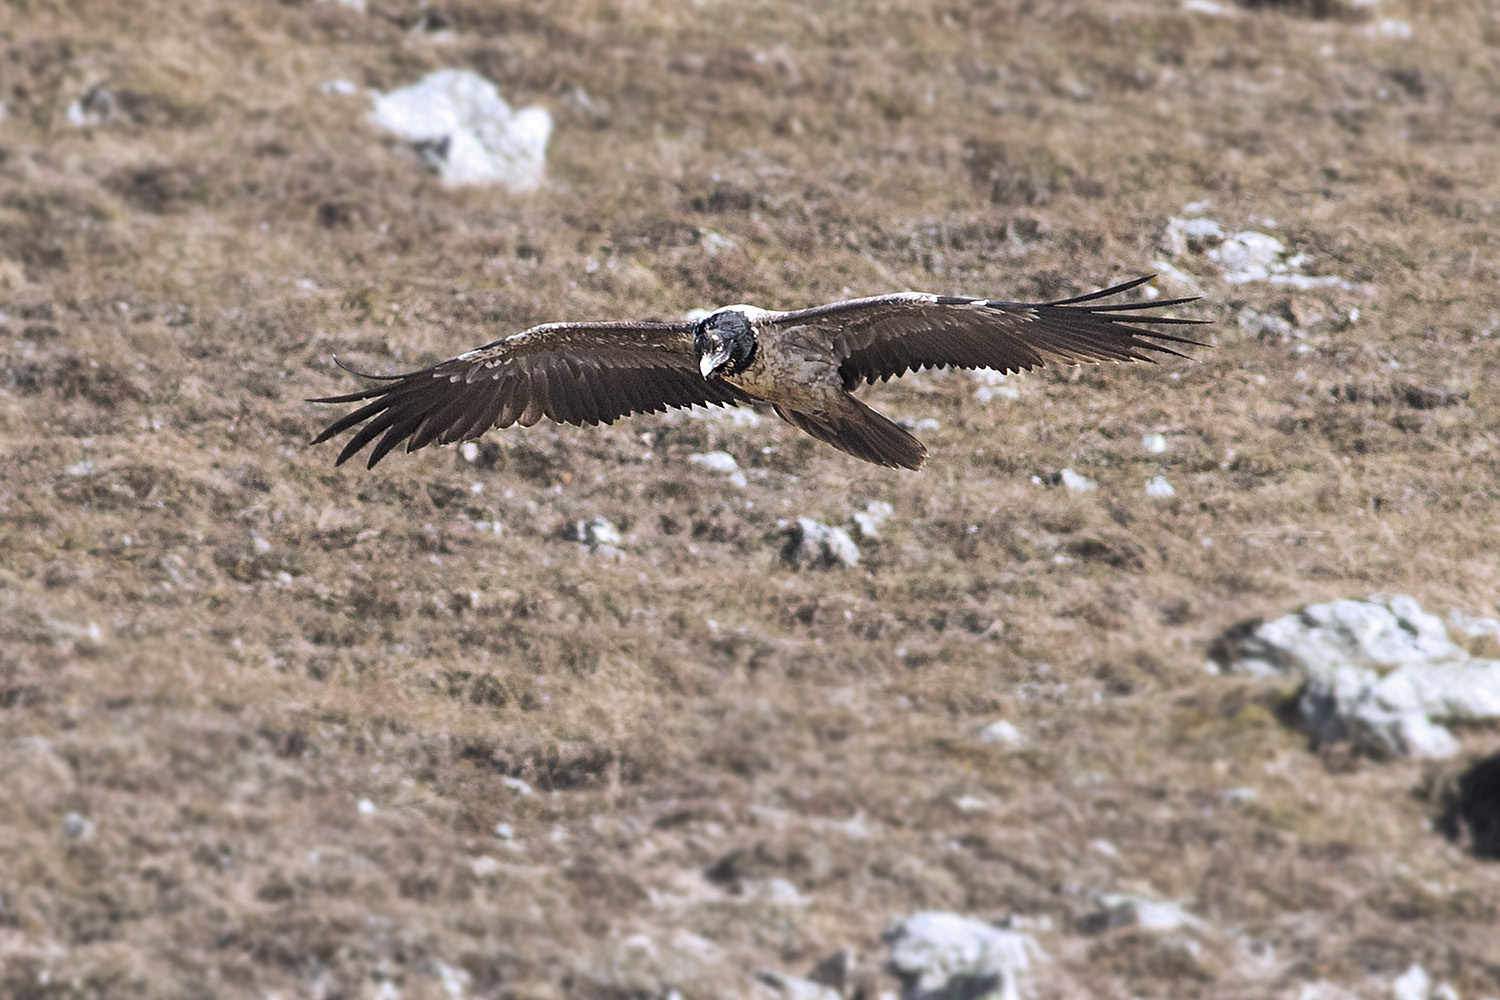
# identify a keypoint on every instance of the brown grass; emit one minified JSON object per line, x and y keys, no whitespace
{"x":213,"y":644}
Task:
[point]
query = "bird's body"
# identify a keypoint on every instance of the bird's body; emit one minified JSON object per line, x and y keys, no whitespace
{"x":804,"y":363}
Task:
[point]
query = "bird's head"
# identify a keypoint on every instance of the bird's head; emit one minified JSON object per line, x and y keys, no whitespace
{"x":724,"y":343}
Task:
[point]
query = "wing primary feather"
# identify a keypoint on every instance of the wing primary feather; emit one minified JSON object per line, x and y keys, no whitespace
{"x":439,"y":420}
{"x":383,"y":378}
{"x":1103,"y":293}
{"x":484,"y":417}
{"x":393,"y":436}
{"x":367,"y":433}
{"x":1134,"y":306}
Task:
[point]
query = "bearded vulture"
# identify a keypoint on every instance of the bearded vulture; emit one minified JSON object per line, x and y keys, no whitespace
{"x":803,"y":363}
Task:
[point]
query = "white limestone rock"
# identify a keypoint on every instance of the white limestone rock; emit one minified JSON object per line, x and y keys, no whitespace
{"x":1381,"y":672}
{"x":1077,"y":483}
{"x":1158,"y":488}
{"x":814,"y":545}
{"x":466,"y":131}
{"x":866,"y":523}
{"x":1003,"y":733}
{"x":1159,"y":916}
{"x":943,"y":956}
{"x":796,"y":988}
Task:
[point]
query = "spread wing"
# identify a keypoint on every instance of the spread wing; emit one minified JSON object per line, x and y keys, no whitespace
{"x":889,"y":335}
{"x":574,"y":373}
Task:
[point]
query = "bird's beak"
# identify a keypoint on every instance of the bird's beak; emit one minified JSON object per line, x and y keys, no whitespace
{"x":713,"y":359}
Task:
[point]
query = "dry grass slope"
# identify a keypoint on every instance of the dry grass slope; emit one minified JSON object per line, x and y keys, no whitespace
{"x":213,"y":645}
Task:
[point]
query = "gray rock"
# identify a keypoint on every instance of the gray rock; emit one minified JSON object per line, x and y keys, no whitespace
{"x":1077,"y":483}
{"x":597,"y":533}
{"x":466,"y":131}
{"x":1003,"y":733}
{"x":814,"y":545}
{"x":1413,"y":984}
{"x":867,"y":522}
{"x":1380,"y":633}
{"x":97,"y":107}
{"x":943,"y":956}
{"x":795,"y":988}
{"x":1255,"y":324}
{"x":77,"y":827}
{"x":1159,"y":916}
{"x":717,"y":461}
{"x":721,"y":461}
{"x":836,"y":970}
{"x":1183,"y":235}
{"x":1381,"y":672}
{"x":1247,"y":256}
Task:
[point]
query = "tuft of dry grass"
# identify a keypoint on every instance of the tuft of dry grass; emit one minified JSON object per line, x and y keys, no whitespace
{"x":213,"y":645}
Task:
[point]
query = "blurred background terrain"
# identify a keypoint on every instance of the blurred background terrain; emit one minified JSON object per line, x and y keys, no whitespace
{"x":564,"y":714}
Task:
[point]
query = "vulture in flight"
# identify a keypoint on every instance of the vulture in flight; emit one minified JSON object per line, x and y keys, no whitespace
{"x":803,"y":363}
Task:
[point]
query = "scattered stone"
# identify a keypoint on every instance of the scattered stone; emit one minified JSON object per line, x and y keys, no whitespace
{"x":358,"y":6}
{"x":721,"y":461}
{"x":1473,"y":811}
{"x":717,"y":461}
{"x":1413,"y":984}
{"x":1076,"y":483}
{"x":777,"y":893}
{"x":943,"y":956}
{"x":1392,"y":28}
{"x":598,"y":534}
{"x":1241,"y":257}
{"x":814,"y":545}
{"x":1104,"y":848}
{"x":1176,"y":278}
{"x":504,"y":831}
{"x":1208,"y":8}
{"x":366,"y":807}
{"x":1002,"y":733}
{"x":1154,"y":443}
{"x":794,"y":988}
{"x":454,"y":982}
{"x":96,"y":107}
{"x":339,"y":88}
{"x":1196,"y":235}
{"x":1381,"y":672}
{"x":994,"y":385}
{"x":516,"y":785}
{"x":465,"y":130}
{"x":867,"y":522}
{"x":1481,"y":636}
{"x":1247,"y":256}
{"x":836,"y":971}
{"x":1256,"y":324}
{"x":1159,"y":916}
{"x":1159,"y":489}
{"x":76,"y":826}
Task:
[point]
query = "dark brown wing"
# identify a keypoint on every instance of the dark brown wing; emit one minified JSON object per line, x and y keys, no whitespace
{"x":889,"y":335}
{"x":574,"y":373}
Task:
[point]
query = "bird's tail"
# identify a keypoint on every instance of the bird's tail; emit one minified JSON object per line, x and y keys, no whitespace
{"x":861,"y":432}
